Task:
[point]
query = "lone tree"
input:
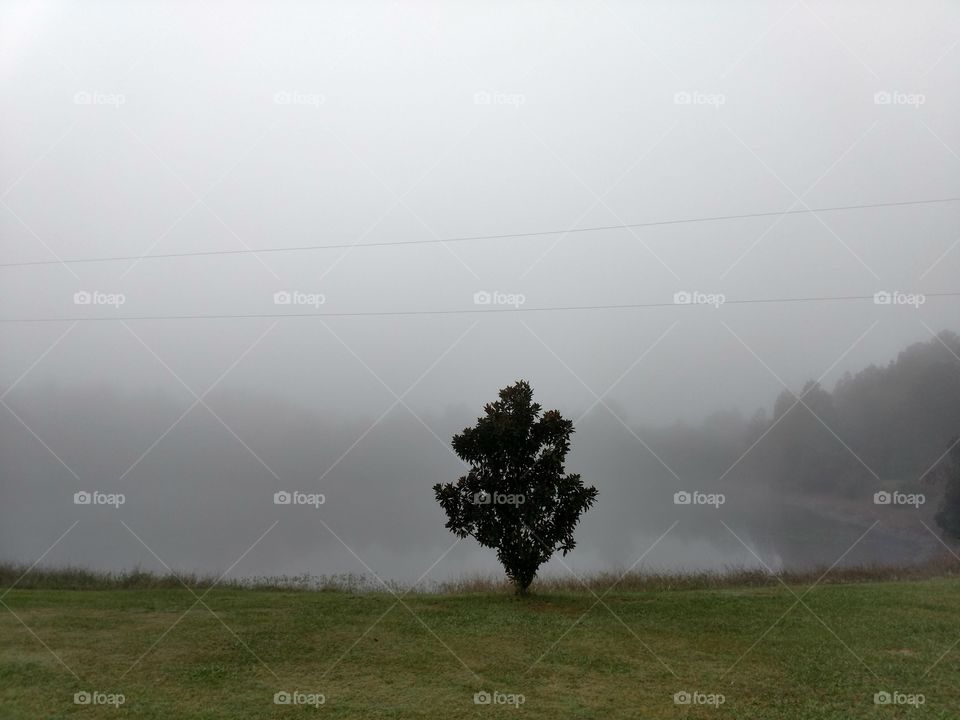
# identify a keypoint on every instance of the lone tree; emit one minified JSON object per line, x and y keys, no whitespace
{"x":516,"y":497}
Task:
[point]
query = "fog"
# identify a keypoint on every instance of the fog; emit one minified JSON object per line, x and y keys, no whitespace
{"x":206,"y":133}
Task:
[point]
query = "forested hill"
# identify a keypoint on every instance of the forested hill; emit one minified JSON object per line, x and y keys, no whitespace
{"x":893,"y":422}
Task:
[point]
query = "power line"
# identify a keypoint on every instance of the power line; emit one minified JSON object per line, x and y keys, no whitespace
{"x":471,"y":238}
{"x":466,"y":311}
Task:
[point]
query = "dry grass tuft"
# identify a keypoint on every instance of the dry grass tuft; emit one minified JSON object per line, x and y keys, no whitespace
{"x":76,"y":578}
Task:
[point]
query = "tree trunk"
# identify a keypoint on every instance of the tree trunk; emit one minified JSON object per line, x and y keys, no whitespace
{"x":522,"y":580}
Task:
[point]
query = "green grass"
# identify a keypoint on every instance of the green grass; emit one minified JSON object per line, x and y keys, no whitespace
{"x":625,"y":658}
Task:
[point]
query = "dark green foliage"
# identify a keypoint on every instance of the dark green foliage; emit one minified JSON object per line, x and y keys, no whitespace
{"x":516,"y":497}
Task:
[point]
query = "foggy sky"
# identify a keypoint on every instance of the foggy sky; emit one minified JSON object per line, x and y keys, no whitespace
{"x":250,"y":126}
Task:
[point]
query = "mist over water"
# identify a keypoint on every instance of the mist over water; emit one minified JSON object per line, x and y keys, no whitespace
{"x":199,"y":498}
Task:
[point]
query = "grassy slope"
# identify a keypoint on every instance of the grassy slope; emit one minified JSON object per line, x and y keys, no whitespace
{"x":399,"y":669}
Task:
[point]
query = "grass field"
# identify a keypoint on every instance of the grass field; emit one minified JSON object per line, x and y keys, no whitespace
{"x":426,"y":657}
